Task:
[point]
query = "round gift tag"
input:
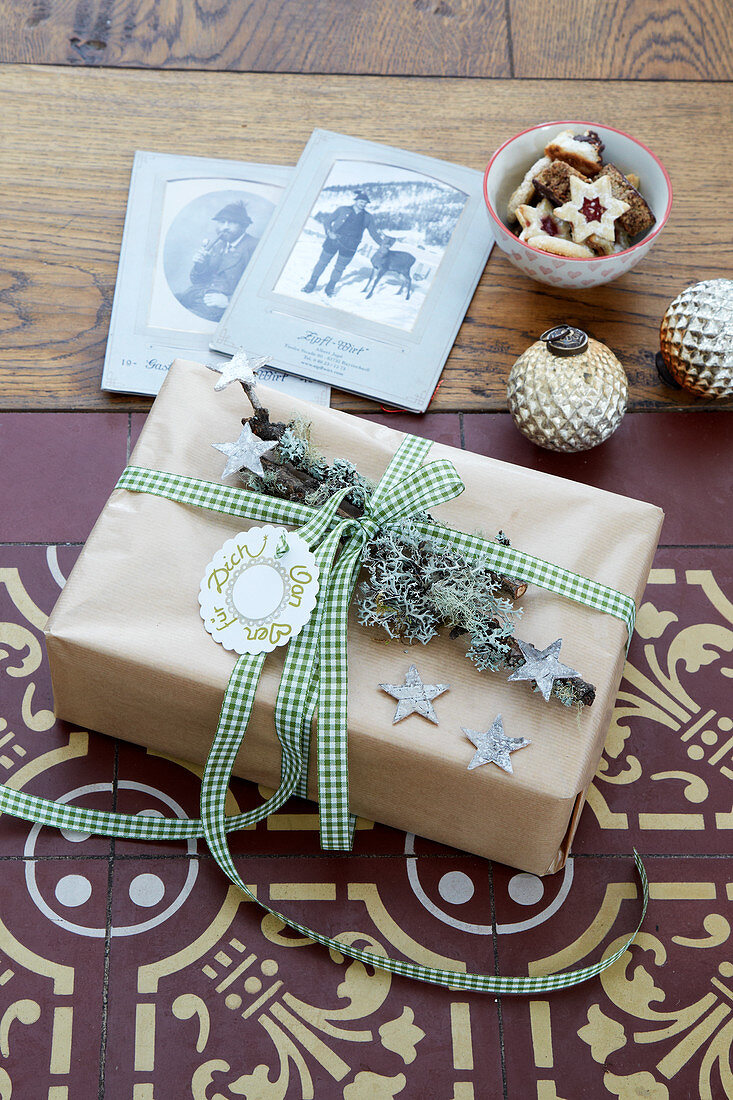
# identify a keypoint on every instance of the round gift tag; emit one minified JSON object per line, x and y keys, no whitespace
{"x":259,"y":590}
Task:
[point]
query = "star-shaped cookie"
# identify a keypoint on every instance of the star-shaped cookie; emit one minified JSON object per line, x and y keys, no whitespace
{"x":539,"y":219}
{"x":414,"y":697}
{"x":246,"y":453}
{"x":543,"y":667}
{"x":493,"y":746}
{"x":591,"y":209}
{"x":240,"y":368}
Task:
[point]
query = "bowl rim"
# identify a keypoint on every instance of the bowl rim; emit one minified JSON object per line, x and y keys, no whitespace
{"x":588,"y":125}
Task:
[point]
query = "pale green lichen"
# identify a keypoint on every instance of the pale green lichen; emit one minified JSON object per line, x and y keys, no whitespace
{"x":564,"y":693}
{"x":414,"y":587}
{"x":296,"y":448}
{"x":340,"y":475}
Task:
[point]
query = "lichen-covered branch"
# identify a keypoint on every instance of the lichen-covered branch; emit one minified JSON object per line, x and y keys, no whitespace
{"x":412,"y":587}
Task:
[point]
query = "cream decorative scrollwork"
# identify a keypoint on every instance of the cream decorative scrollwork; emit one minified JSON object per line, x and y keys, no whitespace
{"x":602,"y":1034}
{"x":402,"y":1036}
{"x":700,"y":1029}
{"x":662,"y":693}
{"x":635,"y":1085}
{"x":373,"y":1086}
{"x":307,"y":1038}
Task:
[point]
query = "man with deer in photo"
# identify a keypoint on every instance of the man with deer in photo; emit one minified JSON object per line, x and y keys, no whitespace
{"x":344,"y":231}
{"x":365,"y":238}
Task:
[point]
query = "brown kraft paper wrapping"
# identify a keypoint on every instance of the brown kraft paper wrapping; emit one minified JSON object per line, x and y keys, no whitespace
{"x":130,"y":657}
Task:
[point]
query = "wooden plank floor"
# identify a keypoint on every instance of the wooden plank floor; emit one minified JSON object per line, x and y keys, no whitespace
{"x":582,"y":39}
{"x":68,"y":138}
{"x":625,"y":39}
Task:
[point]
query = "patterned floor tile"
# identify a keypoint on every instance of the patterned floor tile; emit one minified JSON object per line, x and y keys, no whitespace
{"x":665,"y":783}
{"x":658,"y":1024}
{"x":52,"y":964}
{"x":58,"y":470}
{"x":31,"y":579}
{"x":37,"y":752}
{"x":254,"y":1010}
{"x":664,"y":458}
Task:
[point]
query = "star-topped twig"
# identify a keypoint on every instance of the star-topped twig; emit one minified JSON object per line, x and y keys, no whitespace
{"x":493,"y":746}
{"x":240,"y":368}
{"x":543,"y":667}
{"x":414,"y":697}
{"x":246,"y":453}
{"x":591,"y":209}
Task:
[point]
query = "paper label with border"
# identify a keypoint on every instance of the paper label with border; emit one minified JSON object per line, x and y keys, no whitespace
{"x":259,"y":590}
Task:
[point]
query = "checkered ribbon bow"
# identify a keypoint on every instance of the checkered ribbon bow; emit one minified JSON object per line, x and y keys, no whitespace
{"x":315,"y":676}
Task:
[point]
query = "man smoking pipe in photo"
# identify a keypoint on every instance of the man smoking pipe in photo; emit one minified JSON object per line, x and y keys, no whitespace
{"x":219,"y":263}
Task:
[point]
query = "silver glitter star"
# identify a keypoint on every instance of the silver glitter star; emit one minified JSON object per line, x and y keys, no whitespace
{"x":240,"y":368}
{"x":414,"y":696}
{"x":493,"y":746}
{"x":543,"y":667}
{"x":245,"y":453}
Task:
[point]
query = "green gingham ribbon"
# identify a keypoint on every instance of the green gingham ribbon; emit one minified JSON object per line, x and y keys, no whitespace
{"x":314,"y":676}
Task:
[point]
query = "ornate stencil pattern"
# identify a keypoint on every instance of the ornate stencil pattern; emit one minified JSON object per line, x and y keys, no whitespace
{"x":134,"y":971}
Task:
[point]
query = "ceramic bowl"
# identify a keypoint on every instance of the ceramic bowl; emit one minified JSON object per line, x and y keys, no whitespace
{"x":509,"y":164}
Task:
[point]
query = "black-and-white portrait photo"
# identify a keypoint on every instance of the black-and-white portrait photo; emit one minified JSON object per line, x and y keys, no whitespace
{"x":209,"y":231}
{"x":219,"y":261}
{"x":191,"y":230}
{"x":373,"y":242}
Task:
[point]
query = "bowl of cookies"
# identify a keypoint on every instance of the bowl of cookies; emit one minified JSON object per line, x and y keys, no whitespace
{"x":576,"y":204}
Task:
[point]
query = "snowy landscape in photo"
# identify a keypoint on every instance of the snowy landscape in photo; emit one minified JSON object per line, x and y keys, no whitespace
{"x":419,"y":212}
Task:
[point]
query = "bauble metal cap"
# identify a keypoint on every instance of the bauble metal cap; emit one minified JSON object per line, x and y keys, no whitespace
{"x":565,"y":340}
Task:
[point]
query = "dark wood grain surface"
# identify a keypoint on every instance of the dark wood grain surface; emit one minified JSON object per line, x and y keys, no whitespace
{"x":625,"y":39}
{"x":68,"y":139}
{"x":580,"y":39}
{"x":420,"y":37}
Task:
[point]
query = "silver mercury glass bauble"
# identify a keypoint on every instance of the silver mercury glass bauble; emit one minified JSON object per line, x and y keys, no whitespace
{"x":567,"y":392}
{"x":696,"y":338}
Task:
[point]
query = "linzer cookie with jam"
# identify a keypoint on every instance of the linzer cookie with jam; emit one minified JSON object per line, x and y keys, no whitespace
{"x":544,"y":230}
{"x":541,"y":219}
{"x":592,"y":209}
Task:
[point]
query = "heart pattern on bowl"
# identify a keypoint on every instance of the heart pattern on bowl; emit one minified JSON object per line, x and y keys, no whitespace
{"x":564,"y":271}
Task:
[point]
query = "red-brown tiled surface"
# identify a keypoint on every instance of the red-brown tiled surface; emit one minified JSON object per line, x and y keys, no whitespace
{"x":131,"y":971}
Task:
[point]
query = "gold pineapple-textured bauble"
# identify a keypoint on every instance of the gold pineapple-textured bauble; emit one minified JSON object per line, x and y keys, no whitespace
{"x":696,"y":338}
{"x":567,"y":392}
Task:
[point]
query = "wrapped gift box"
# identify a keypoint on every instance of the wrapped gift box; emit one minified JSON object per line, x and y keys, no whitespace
{"x":130,"y":657}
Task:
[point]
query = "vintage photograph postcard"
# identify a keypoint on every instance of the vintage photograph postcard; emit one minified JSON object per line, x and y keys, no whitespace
{"x":192,"y":227}
{"x":365,"y":271}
